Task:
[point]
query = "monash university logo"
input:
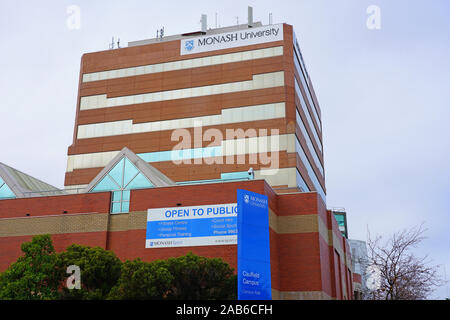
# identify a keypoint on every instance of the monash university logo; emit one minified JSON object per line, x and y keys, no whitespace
{"x":244,"y":37}
{"x":189,"y":45}
{"x":246,"y":198}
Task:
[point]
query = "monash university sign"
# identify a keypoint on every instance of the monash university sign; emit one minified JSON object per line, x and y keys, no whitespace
{"x":208,"y":225}
{"x":245,"y":223}
{"x":244,"y":37}
{"x":254,"y":276}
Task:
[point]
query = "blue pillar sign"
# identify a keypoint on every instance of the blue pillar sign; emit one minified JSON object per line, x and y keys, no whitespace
{"x":254,"y":277}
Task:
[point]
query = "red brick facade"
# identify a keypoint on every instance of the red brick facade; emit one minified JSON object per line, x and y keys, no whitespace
{"x":307,"y":249}
{"x":309,"y":257}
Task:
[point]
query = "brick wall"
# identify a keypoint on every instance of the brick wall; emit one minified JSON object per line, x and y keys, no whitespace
{"x":307,"y":252}
{"x":55,"y":205}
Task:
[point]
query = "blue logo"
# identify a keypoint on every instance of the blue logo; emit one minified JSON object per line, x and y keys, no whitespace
{"x":189,"y":45}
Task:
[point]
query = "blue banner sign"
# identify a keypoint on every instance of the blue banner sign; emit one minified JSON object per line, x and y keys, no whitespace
{"x":192,"y":226}
{"x":254,"y":277}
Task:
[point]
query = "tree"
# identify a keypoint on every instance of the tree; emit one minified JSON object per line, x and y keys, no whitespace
{"x":400,"y":275}
{"x":201,"y":278}
{"x":35,"y":275}
{"x":100,"y":271}
{"x":142,"y":280}
{"x":186,"y":277}
{"x":41,"y":274}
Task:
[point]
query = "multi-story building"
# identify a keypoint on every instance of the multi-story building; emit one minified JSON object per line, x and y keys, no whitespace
{"x":186,"y":120}
{"x":238,"y":91}
{"x":360,"y":264}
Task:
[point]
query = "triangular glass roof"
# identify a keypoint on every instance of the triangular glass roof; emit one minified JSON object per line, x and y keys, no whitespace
{"x":123,"y":176}
{"x":5,"y":191}
{"x":16,"y":184}
{"x":127,"y":171}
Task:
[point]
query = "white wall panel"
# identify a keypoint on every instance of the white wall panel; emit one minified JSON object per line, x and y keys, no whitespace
{"x":260,"y":81}
{"x":229,"y":147}
{"x":278,"y":177}
{"x":232,"y":115}
{"x":184,"y":64}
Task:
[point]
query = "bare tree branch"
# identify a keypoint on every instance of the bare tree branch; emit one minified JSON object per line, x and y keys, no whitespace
{"x":402,"y":275}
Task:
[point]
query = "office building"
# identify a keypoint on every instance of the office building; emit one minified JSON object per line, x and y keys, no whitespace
{"x":187,"y":120}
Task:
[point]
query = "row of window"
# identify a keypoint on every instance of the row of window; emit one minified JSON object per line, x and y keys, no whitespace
{"x":311,"y":148}
{"x":301,"y":182}
{"x":303,"y":80}
{"x":309,"y":169}
{"x":248,"y":145}
{"x":308,"y":117}
{"x":303,"y":74}
{"x":184,"y":64}
{"x":299,"y":55}
{"x":229,"y":115}
{"x":182,"y":154}
{"x":259,"y":81}
{"x":226,"y":176}
{"x":253,"y":145}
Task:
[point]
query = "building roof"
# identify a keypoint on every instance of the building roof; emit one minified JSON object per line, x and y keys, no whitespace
{"x":194,"y":34}
{"x":23,"y":185}
{"x":16,"y":184}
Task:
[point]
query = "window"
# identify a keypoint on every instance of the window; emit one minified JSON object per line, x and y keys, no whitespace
{"x":122,"y":178}
{"x":301,"y":183}
{"x":309,"y":169}
{"x":240,"y":175}
{"x":184,"y":64}
{"x":340,"y":219}
{"x":312,"y":151}
{"x":306,"y":86}
{"x":5,"y":191}
{"x":308,"y":116}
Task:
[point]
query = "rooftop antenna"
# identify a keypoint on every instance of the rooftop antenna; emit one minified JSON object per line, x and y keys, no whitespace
{"x":161,"y":33}
{"x":250,"y":16}
{"x":118,"y":43}
{"x":204,"y":22}
{"x":237,"y":20}
{"x":157,"y":33}
{"x":111,"y":45}
{"x":270,"y":18}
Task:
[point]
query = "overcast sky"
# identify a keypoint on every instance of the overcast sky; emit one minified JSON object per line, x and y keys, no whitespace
{"x":384,"y":94}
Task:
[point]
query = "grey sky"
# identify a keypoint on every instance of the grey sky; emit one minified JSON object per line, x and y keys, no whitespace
{"x":384,"y":94}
